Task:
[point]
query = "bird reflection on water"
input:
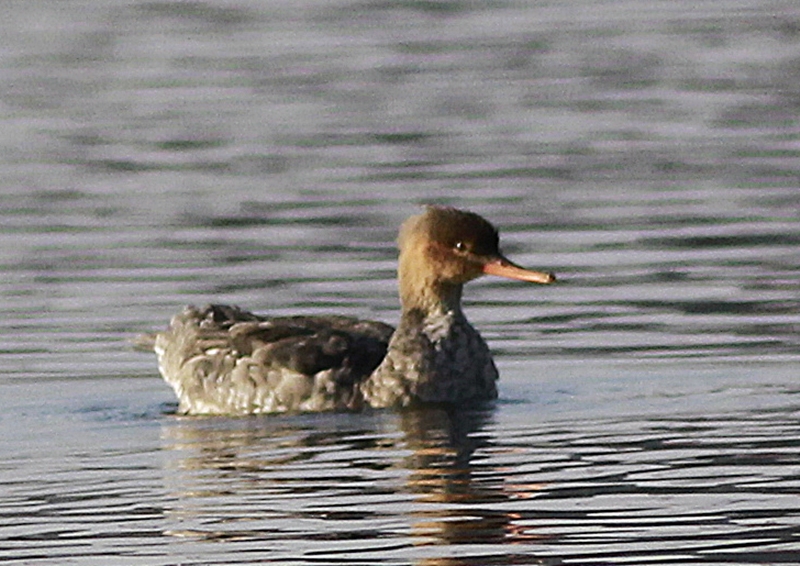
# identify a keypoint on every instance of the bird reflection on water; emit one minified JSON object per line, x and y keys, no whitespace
{"x":358,"y":474}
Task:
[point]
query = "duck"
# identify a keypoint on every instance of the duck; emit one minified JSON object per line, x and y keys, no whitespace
{"x":222,"y":360}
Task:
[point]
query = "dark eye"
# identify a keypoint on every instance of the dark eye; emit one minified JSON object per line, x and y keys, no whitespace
{"x":460,"y":246}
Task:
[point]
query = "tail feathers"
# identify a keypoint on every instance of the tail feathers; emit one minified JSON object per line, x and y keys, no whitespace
{"x":144,"y":342}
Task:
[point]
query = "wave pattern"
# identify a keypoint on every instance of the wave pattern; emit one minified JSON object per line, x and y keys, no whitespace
{"x":263,"y":154}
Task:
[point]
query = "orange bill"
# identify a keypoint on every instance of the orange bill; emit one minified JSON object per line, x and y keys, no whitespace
{"x":506,"y":268}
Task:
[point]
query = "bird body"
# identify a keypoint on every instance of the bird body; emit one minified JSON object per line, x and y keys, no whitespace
{"x":223,"y":360}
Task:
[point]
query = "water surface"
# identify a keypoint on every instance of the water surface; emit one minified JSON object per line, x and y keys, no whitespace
{"x":162,"y":153}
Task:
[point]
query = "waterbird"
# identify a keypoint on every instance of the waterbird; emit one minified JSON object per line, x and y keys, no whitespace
{"x":222,"y":360}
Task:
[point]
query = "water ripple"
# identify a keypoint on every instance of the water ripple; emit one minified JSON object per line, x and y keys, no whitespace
{"x":163,"y":153}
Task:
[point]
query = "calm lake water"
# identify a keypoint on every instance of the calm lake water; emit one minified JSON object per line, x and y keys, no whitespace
{"x":162,"y":153}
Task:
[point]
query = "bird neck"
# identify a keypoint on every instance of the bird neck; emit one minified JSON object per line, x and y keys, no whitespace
{"x":421,"y":289}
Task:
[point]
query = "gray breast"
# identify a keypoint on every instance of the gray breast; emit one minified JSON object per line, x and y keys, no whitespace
{"x":433,"y":359}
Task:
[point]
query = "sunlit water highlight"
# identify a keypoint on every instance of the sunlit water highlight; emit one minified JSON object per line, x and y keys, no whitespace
{"x":161,"y":153}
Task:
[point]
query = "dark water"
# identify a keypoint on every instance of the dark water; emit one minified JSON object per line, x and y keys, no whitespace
{"x":161,"y":153}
